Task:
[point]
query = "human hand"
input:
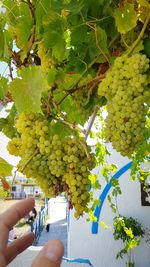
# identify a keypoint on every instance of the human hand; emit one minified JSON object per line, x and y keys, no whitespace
{"x":49,"y":256}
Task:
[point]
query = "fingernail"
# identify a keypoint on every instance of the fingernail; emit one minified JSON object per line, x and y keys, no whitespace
{"x":53,"y":251}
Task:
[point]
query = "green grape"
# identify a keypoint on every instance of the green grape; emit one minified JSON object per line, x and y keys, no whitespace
{"x":127,"y":93}
{"x":14,"y":146}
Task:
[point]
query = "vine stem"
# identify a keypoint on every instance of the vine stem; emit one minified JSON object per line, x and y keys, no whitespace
{"x":140,"y":35}
{"x":85,"y":149}
{"x":75,"y":88}
{"x":72,"y":126}
{"x":10,"y":71}
{"x":96,"y":108}
{"x":14,"y":177}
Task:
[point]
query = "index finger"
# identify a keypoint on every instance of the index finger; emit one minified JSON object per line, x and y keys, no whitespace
{"x":11,"y":216}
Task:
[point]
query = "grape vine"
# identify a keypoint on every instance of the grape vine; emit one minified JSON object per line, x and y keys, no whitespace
{"x":65,"y":63}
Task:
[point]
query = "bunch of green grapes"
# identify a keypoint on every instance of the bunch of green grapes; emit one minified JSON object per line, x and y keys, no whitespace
{"x":127,"y":93}
{"x":77,"y":173}
{"x":81,"y":100}
{"x":39,"y":152}
{"x":58,"y":165}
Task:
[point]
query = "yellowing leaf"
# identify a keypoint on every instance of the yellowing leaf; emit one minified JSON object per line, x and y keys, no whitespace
{"x":144,"y":3}
{"x":27,"y":91}
{"x":5,"y":168}
{"x":104,"y":225}
{"x":129,"y":232}
{"x":126,"y":18}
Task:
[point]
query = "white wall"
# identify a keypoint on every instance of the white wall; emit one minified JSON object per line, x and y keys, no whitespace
{"x":102,"y":248}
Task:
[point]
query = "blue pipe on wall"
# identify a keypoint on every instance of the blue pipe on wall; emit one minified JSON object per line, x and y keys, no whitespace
{"x":103,"y":195}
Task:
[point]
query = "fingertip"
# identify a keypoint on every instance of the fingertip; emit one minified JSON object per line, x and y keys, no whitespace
{"x":54,"y":250}
{"x":29,"y":202}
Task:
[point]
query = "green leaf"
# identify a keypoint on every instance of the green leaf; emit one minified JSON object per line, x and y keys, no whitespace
{"x":3,"y":87}
{"x":3,"y":123}
{"x":5,"y":168}
{"x":54,"y":35}
{"x":138,"y":48}
{"x":60,"y":129}
{"x":24,"y":26}
{"x":147,"y":46}
{"x":114,"y":182}
{"x":51,"y":76}
{"x":70,"y":80}
{"x":126,"y":18}
{"x":1,"y":43}
{"x":59,"y":50}
{"x":79,"y":35}
{"x":73,"y":115}
{"x":102,"y":39}
{"x":12,"y":11}
{"x":27,"y":90}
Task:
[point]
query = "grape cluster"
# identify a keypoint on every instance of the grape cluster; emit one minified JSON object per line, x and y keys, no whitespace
{"x":76,"y":175}
{"x":127,"y":93}
{"x":58,"y":165}
{"x":81,"y":100}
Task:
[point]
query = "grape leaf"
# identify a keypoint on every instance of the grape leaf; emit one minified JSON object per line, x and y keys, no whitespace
{"x":138,"y":48}
{"x":73,"y":115}
{"x":51,"y":75}
{"x":3,"y":87}
{"x":79,"y":35}
{"x":23,"y":28}
{"x":3,"y":123}
{"x":126,"y":18}
{"x":5,"y":168}
{"x":147,"y":46}
{"x":102,"y":39}
{"x":59,"y":50}
{"x":12,"y":11}
{"x":70,"y":80}
{"x":1,"y":42}
{"x":60,"y":129}
{"x":27,"y":90}
{"x":144,"y":3}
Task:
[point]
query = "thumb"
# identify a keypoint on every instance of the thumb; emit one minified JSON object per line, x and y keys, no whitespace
{"x":50,"y":255}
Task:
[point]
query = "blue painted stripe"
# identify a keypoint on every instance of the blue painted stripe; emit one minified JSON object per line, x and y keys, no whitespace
{"x":78,"y":260}
{"x":104,"y":194}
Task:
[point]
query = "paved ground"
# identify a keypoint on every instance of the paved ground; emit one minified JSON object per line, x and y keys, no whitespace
{"x":58,"y":230}
{"x":58,"y":224}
